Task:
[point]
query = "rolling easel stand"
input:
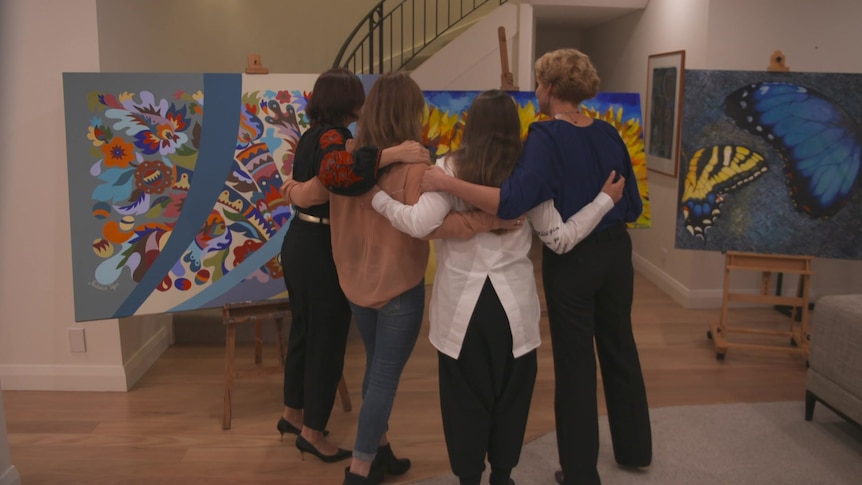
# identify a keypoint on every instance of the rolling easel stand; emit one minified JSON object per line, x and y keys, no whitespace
{"x":766,"y":264}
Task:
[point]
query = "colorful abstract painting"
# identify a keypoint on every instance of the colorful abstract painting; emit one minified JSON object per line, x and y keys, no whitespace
{"x":770,"y":163}
{"x":174,"y":188}
{"x":447,"y":109}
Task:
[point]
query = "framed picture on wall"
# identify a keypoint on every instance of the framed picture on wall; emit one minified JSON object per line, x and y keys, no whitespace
{"x":663,"y":111}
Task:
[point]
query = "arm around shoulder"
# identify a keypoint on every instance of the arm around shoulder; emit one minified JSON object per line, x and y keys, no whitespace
{"x":560,"y":236}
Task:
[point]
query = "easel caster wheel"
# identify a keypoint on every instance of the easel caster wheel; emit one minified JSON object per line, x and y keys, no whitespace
{"x":719,"y":357}
{"x":709,"y":334}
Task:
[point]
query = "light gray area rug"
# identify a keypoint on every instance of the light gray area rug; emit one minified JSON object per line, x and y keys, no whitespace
{"x":739,"y":444}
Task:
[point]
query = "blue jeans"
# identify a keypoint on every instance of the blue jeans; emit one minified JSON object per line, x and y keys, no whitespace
{"x":389,"y":334}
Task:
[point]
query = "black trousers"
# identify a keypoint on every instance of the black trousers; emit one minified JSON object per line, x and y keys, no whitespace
{"x":319,"y":326}
{"x":589,"y":295}
{"x":485,"y":394}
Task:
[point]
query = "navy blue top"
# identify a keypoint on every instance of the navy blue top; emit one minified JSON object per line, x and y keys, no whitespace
{"x":570,"y":164}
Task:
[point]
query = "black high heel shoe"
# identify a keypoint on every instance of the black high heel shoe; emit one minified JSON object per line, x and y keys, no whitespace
{"x":304,"y":446}
{"x":284,"y":426}
{"x":388,"y":463}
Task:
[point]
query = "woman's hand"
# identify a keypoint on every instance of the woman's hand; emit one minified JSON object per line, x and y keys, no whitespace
{"x":510,"y":223}
{"x":434,"y":180}
{"x":285,"y":183}
{"x":408,"y":152}
{"x":614,"y":188}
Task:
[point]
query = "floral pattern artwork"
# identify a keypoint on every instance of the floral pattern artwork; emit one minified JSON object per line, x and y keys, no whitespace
{"x":446,"y":114}
{"x":167,"y":212}
{"x":144,"y":151}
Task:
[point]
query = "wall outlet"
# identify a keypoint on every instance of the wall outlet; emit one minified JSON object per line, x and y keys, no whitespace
{"x":664,"y":255}
{"x":77,"y":340}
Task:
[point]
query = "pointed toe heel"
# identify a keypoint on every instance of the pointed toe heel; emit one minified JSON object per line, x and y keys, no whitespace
{"x":305,"y":447}
{"x":283,"y":426}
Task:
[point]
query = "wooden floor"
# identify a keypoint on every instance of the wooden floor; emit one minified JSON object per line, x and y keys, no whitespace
{"x":167,"y":430}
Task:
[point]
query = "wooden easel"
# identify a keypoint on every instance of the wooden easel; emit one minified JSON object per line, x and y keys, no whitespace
{"x":258,"y":312}
{"x":507,"y":80}
{"x":766,"y":264}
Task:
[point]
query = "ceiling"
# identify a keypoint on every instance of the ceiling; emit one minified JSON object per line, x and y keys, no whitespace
{"x":577,"y":16}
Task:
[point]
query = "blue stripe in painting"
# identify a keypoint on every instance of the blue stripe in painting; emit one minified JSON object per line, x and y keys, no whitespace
{"x":218,"y":143}
{"x":236,"y":275}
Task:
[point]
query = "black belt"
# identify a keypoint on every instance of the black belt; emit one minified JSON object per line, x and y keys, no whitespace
{"x":609,"y":234}
{"x":310,"y":218}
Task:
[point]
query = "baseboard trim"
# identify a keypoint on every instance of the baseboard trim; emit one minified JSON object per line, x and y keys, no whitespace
{"x":63,"y":377}
{"x":10,"y":477}
{"x":146,"y":356}
{"x":695,"y":299}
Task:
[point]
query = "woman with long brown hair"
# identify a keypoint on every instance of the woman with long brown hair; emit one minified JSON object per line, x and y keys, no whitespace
{"x":320,"y":311}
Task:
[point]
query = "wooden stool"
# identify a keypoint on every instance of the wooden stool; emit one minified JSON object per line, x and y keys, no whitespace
{"x":258,"y":312}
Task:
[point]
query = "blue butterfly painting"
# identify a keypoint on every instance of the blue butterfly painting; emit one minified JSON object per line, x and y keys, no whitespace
{"x":817,"y":139}
{"x":770,"y":163}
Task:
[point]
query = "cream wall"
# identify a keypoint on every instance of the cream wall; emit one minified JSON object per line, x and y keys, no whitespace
{"x":471,"y":61}
{"x":815,"y":35}
{"x":218,"y":35}
{"x":35,"y":255}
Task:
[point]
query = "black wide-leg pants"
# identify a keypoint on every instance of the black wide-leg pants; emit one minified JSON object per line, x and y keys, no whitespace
{"x":485,"y":394}
{"x":589,"y":295}
{"x":319,"y":325}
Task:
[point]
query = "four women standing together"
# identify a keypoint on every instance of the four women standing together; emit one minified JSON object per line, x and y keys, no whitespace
{"x":484,"y":317}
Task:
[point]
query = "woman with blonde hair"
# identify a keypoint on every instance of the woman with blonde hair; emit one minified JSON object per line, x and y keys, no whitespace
{"x":380,"y":268}
{"x":589,"y":289}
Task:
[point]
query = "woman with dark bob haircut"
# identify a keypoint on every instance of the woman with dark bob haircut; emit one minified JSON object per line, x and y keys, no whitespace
{"x":589,"y":289}
{"x":320,"y":312}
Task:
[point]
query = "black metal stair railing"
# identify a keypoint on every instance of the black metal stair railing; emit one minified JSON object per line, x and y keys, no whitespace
{"x":396,"y":32}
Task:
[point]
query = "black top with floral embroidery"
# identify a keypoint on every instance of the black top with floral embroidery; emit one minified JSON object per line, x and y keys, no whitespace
{"x":321,"y":153}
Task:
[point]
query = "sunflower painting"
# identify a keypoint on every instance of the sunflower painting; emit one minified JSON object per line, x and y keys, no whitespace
{"x":446,"y":115}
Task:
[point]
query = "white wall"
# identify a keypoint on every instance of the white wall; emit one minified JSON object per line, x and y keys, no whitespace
{"x":472,"y":60}
{"x":35,"y":255}
{"x":815,"y":35}
{"x":295,"y":36}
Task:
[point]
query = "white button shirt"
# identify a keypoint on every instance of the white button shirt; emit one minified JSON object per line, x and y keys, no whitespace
{"x":464,"y":264}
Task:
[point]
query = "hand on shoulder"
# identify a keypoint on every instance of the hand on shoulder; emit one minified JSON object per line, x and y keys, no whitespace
{"x":434,"y":180}
{"x":614,"y":186}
